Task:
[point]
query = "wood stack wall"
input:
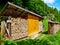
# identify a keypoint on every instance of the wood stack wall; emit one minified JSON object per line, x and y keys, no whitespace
{"x":18,"y":28}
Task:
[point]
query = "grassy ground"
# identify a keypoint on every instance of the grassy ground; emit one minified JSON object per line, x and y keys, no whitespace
{"x":42,"y":39}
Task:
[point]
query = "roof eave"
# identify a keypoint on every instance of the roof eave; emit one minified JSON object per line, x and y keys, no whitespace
{"x":8,"y":3}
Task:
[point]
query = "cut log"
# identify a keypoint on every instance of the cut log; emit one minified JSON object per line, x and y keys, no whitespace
{"x":18,"y":28}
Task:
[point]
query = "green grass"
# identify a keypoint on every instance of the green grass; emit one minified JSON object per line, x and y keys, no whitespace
{"x":42,"y":39}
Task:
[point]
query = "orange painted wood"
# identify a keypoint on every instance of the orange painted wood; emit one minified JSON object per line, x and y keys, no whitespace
{"x":33,"y":23}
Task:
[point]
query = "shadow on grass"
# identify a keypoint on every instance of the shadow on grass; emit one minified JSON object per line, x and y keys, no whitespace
{"x":46,"y":32}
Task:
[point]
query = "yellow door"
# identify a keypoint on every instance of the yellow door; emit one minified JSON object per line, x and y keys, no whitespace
{"x":32,"y":24}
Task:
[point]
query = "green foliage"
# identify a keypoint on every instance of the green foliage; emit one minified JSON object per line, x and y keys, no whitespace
{"x":47,"y":40}
{"x":1,"y":6}
{"x":45,"y":24}
{"x":18,"y":2}
{"x":9,"y":42}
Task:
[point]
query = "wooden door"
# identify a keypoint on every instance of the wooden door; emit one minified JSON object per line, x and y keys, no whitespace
{"x":33,"y":25}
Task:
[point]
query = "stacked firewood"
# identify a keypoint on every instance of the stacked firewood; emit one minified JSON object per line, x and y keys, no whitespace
{"x":18,"y":28}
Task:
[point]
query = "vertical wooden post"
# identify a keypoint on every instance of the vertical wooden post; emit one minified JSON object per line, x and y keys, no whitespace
{"x":2,"y":28}
{"x":9,"y":26}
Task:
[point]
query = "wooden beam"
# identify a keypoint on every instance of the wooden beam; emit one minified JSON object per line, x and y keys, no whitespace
{"x":2,"y":28}
{"x":9,"y":26}
{"x":4,"y":12}
{"x":11,"y":7}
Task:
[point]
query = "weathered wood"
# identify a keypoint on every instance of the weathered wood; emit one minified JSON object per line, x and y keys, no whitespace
{"x":2,"y":28}
{"x":50,"y":28}
{"x":9,"y":26}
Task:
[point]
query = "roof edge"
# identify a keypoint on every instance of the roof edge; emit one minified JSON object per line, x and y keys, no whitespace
{"x":8,"y":3}
{"x":53,"y":22}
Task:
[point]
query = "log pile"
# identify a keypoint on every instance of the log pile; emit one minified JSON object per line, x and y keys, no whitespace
{"x":18,"y":28}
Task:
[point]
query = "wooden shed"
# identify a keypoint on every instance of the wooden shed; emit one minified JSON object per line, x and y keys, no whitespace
{"x":53,"y":27}
{"x":18,"y":22}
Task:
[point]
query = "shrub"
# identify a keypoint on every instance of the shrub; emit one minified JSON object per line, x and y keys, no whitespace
{"x":47,"y":40}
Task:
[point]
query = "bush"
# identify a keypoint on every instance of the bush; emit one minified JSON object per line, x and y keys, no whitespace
{"x":45,"y":24}
{"x":47,"y":40}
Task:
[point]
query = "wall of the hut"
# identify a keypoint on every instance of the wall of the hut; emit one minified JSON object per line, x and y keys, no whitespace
{"x":3,"y":28}
{"x":53,"y":28}
{"x":56,"y":28}
{"x":50,"y":28}
{"x":33,"y":24}
{"x":40,"y":26}
{"x":18,"y":28}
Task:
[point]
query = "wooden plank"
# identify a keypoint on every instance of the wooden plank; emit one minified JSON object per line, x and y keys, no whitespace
{"x":2,"y":28}
{"x":9,"y":26}
{"x":11,"y":7}
{"x":33,"y":24}
{"x":4,"y":12}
